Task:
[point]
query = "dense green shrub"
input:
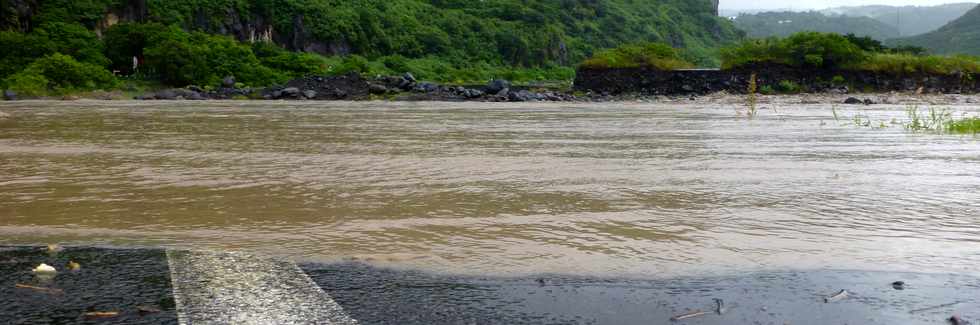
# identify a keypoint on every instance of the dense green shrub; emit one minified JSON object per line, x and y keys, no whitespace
{"x":649,"y":55}
{"x":19,"y":50}
{"x":59,"y":73}
{"x":909,"y":64}
{"x":293,"y":64}
{"x":125,"y":41}
{"x":180,"y":58}
{"x":806,"y":49}
{"x":74,"y":40}
{"x":788,"y":87}
{"x":832,"y":51}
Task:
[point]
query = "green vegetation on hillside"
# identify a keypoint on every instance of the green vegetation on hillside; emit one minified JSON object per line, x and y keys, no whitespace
{"x":833,"y":51}
{"x":962,"y":36}
{"x":182,"y":42}
{"x":649,"y":55}
{"x":782,"y":24}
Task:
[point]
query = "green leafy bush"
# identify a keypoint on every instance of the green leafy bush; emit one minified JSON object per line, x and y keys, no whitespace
{"x":832,"y":51}
{"x":294,"y":64}
{"x":805,"y":49}
{"x":180,"y":58}
{"x":59,"y":73}
{"x":788,"y":87}
{"x":19,"y":50}
{"x":649,"y":55}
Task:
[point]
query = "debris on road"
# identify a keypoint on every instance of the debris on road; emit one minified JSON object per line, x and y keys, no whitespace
{"x":935,"y":307}
{"x":102,"y":314}
{"x":837,"y":297}
{"x":956,"y":320}
{"x":719,"y":306}
{"x":55,"y":248}
{"x":696,"y":313}
{"x":44,"y":268}
{"x":36,"y":288}
{"x":147,"y":310}
{"x":898,"y":285}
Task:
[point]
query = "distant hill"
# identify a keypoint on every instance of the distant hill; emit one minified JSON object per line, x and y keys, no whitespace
{"x":910,"y":20}
{"x":962,"y":36}
{"x":785,"y":23}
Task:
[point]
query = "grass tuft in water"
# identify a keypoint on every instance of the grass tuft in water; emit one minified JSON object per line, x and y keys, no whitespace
{"x":936,"y":120}
{"x":964,"y":126}
{"x":752,"y":100}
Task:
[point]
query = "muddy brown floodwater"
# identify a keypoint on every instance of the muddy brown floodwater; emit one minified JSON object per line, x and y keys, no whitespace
{"x":623,"y":189}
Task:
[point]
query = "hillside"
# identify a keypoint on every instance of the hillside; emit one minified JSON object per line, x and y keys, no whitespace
{"x":785,"y":23}
{"x":910,"y":20}
{"x":509,"y":32}
{"x":962,"y":36}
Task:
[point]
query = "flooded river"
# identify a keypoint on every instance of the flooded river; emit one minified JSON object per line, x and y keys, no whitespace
{"x":627,"y":189}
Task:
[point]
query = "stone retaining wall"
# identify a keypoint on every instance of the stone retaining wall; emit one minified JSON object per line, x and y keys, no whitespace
{"x":704,"y":81}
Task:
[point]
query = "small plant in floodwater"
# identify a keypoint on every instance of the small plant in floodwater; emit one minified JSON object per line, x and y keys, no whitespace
{"x":836,"y":116}
{"x":936,"y":120}
{"x":965,"y":126}
{"x":752,"y":100}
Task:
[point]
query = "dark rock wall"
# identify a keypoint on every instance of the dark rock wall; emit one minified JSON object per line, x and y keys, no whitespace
{"x":653,"y":82}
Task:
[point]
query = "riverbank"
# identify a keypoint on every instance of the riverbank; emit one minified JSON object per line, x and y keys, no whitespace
{"x":136,"y":286}
{"x":354,"y":87}
{"x":459,"y":94}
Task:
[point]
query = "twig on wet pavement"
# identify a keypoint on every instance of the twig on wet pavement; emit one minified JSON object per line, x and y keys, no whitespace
{"x":837,"y":297}
{"x":36,"y":288}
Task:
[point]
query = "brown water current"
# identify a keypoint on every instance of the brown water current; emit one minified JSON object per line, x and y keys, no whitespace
{"x":612,"y":188}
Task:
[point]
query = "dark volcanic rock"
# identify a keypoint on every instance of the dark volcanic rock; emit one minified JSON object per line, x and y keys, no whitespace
{"x":497,"y":85}
{"x":472,"y":93}
{"x":853,"y":101}
{"x":228,"y":82}
{"x":521,"y":96}
{"x":348,"y":87}
{"x":290,"y":92}
{"x":9,"y":95}
{"x":426,"y":87}
{"x":378,"y":89}
{"x":166,"y":94}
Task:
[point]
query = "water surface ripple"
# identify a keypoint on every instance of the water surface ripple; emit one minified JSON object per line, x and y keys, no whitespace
{"x":629,"y":189}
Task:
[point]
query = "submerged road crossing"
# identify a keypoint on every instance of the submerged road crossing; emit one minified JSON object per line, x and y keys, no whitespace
{"x":149,"y":286}
{"x":236,"y":288}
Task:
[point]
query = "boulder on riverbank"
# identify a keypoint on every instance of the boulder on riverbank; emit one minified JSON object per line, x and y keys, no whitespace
{"x":346,"y":87}
{"x":9,"y":95}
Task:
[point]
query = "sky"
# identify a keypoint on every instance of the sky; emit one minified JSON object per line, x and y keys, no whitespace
{"x":822,"y":4}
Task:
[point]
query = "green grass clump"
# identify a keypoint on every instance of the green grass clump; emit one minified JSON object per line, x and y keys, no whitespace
{"x":964,"y":126}
{"x":641,"y":55}
{"x":908,"y":63}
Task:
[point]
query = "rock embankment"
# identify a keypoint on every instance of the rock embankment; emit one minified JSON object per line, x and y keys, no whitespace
{"x":771,"y":79}
{"x":355,"y":87}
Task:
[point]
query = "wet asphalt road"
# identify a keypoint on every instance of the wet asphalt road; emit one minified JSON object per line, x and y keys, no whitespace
{"x":126,"y":281}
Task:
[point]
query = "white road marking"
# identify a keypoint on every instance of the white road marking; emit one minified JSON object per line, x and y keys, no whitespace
{"x":237,"y":288}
